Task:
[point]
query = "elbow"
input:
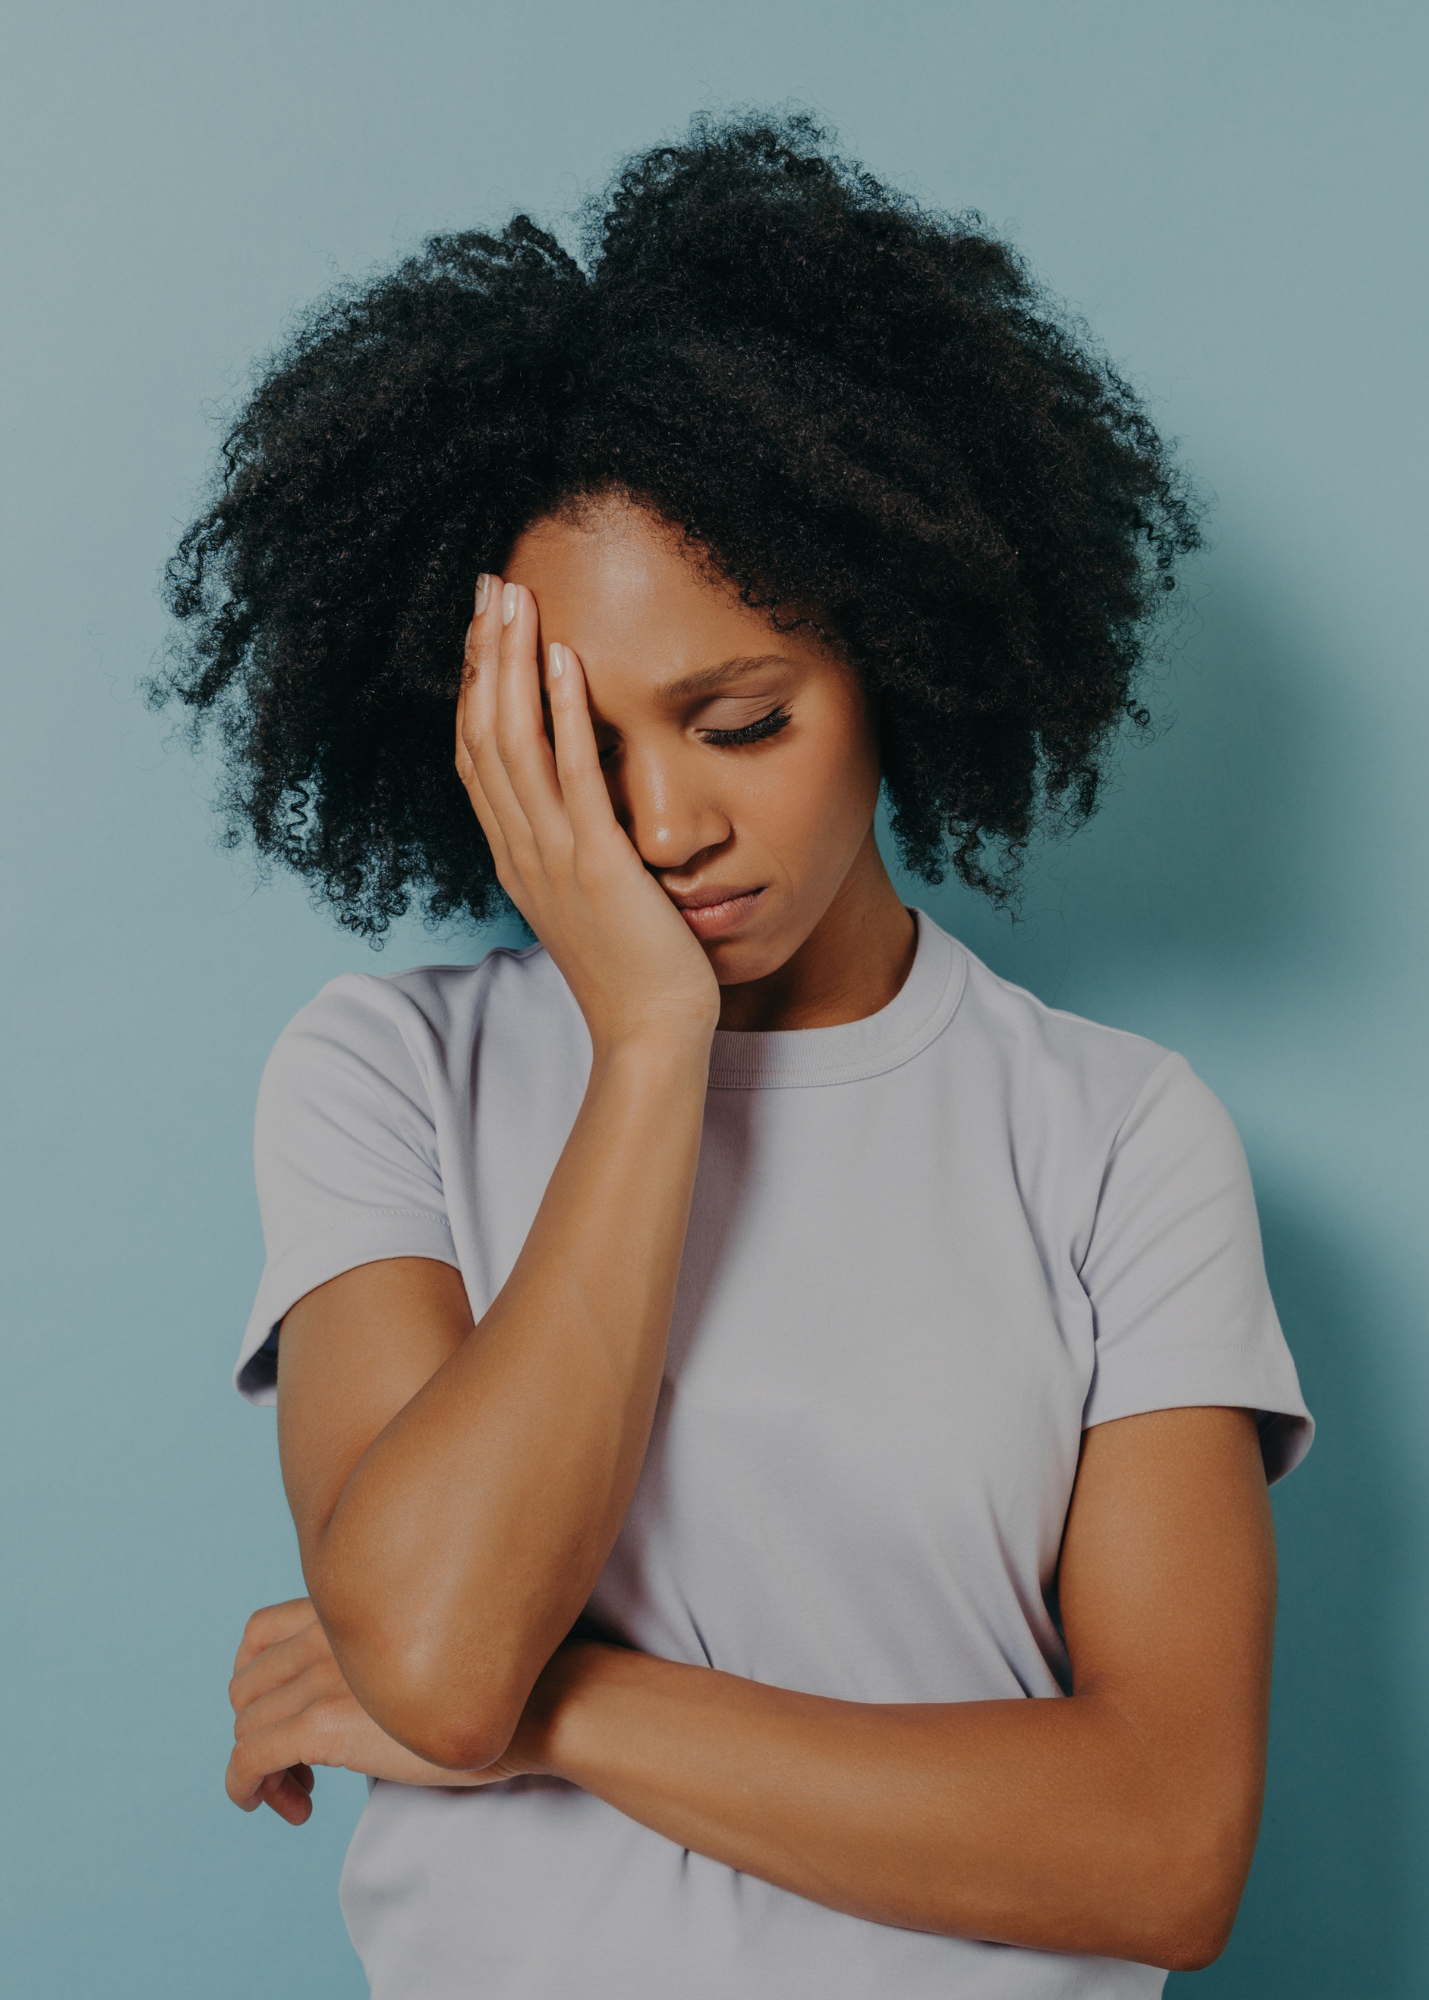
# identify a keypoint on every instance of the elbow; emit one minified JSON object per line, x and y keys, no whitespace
{"x":1199,"y":1889}
{"x":456,"y":1726}
{"x":458,"y":1720}
{"x":453,"y":1743}
{"x":1194,"y":1945}
{"x":448,"y":1708}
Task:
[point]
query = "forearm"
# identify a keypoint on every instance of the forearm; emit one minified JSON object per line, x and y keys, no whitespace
{"x":1053,"y":1823}
{"x":470,"y":1532}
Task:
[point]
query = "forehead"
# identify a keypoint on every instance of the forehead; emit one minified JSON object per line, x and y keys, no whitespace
{"x":620,"y":586}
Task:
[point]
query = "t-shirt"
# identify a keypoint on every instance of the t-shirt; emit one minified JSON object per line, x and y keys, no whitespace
{"x":926,"y":1250}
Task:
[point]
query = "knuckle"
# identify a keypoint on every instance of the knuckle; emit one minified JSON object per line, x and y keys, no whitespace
{"x":325,"y":1719}
{"x":324,"y":1676}
{"x":246,"y":1721}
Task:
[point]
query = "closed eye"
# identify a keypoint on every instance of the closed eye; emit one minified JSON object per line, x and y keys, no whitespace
{"x":752,"y":732}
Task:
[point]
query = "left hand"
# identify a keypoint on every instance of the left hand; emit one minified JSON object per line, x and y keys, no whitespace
{"x":293,"y":1709}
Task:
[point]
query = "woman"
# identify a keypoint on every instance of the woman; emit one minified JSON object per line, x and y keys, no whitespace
{"x":777,"y":1420}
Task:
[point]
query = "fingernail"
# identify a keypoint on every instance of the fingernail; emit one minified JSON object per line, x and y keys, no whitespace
{"x":483,"y":591}
{"x":555,"y":663}
{"x":508,"y":603}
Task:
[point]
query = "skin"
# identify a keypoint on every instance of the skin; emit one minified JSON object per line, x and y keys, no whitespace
{"x":457,"y":1487}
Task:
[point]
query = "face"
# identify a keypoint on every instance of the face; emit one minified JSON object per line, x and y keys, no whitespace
{"x":740,"y":761}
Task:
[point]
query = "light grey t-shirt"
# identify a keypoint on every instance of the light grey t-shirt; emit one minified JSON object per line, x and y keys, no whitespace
{"x":926,"y":1250}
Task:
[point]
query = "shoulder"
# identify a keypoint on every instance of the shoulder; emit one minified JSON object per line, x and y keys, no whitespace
{"x":1053,"y":1069}
{"x":1077,"y":1099}
{"x":426,"y":1013}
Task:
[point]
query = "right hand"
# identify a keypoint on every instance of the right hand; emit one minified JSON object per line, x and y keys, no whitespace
{"x":627,"y":955}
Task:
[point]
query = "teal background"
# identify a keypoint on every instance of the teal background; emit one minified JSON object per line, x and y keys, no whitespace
{"x":1235,"y":195}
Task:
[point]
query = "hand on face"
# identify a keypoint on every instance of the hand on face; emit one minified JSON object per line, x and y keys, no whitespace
{"x":561,"y":856}
{"x":739,"y":766}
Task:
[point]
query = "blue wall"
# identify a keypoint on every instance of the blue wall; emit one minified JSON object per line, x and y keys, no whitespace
{"x":1234,"y":192}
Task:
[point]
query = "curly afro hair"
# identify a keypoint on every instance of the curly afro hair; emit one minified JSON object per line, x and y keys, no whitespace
{"x":865,"y":416}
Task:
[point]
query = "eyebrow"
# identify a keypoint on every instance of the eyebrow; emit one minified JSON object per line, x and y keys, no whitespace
{"x":704,"y":680}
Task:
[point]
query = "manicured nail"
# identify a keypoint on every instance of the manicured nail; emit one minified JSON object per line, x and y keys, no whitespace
{"x":555,"y":662}
{"x":508,"y":603}
{"x":483,"y":591}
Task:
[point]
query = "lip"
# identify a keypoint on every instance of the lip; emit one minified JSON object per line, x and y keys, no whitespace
{"x":716,"y":911}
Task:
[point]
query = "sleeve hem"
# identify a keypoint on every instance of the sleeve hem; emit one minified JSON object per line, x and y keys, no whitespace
{"x":1214,"y":1378}
{"x":364,"y":1239}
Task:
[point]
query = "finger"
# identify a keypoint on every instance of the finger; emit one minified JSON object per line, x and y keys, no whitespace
{"x":289,"y":1793}
{"x":479,"y":720}
{"x":478,"y":649}
{"x":474,"y":716}
{"x":520,"y":734}
{"x":286,"y":1794}
{"x":479,"y":766}
{"x":272,"y":1624}
{"x":577,"y":755}
{"x":312,"y":1691}
{"x":296,"y":1739}
{"x":481,"y":805}
{"x":277,"y":1664}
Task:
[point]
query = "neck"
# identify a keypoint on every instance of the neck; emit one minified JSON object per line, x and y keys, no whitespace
{"x":851,"y":964}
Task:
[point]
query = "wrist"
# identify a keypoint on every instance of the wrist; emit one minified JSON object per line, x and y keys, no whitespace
{"x":668,"y":1051}
{"x":576,"y":1685}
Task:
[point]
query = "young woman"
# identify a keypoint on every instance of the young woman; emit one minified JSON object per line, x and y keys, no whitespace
{"x":777,"y":1420}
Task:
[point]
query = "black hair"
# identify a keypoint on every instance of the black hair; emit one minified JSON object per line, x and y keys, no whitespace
{"x":865,"y":415}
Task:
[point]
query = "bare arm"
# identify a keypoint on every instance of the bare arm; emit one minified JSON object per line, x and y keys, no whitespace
{"x":457,"y":1488}
{"x":1119,"y":1822}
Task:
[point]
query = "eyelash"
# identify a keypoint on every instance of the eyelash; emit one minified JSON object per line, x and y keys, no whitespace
{"x":752,"y":732}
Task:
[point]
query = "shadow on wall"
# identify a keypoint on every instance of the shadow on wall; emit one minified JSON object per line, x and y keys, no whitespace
{"x":1205,"y":906}
{"x":1210,"y":864}
{"x":1328,"y":1914}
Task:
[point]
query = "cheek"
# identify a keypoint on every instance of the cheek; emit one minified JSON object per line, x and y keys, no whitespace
{"x":813,"y":807}
{"x":842,"y":778}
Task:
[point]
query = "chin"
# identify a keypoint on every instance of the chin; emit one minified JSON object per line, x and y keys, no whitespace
{"x":734,"y":965}
{"x":740,"y":961}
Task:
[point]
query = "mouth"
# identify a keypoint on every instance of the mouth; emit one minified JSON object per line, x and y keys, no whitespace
{"x":716,"y":911}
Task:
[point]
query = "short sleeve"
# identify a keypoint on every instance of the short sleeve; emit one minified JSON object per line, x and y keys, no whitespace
{"x":345,"y":1156}
{"x":1174,"y":1271}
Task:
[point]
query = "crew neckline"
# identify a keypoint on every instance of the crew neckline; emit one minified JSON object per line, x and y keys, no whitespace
{"x":785,"y":1058}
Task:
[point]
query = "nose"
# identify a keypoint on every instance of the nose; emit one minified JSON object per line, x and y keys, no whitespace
{"x":665,"y":808}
